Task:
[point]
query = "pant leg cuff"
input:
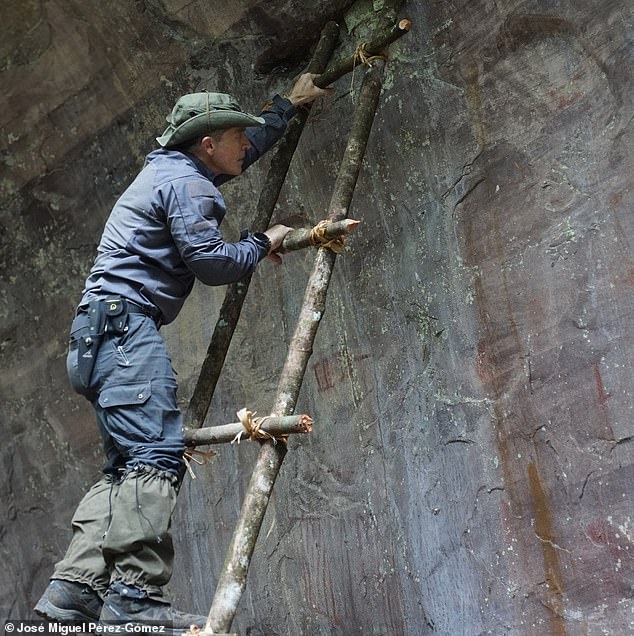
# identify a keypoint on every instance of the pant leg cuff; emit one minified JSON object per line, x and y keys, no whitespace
{"x":153,"y":592}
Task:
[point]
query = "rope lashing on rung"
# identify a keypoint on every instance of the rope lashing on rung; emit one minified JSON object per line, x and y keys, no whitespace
{"x":319,"y":239}
{"x":198,"y":457}
{"x":252,"y":427}
{"x":361,"y":55}
{"x":326,"y":233}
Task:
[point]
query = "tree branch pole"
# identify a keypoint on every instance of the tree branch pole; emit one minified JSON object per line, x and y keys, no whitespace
{"x":375,"y":47}
{"x":236,"y":293}
{"x":273,"y":425}
{"x":233,"y":578}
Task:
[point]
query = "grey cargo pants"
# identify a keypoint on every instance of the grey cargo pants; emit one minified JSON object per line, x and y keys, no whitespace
{"x":121,"y":528}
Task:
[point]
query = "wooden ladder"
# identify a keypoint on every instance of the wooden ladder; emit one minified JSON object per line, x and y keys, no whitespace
{"x":232,"y":581}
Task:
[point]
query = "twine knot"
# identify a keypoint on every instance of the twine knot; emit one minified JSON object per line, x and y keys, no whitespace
{"x":252,"y":426}
{"x":318,"y":237}
{"x":198,"y":457}
{"x":361,"y":55}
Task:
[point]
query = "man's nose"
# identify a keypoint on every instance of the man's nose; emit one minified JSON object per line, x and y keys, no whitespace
{"x":246,"y":144}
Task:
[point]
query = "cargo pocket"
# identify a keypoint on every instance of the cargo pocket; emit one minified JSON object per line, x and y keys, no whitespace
{"x":127,"y":411}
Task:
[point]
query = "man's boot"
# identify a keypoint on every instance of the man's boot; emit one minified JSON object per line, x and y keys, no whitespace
{"x":128,"y":604}
{"x":138,"y":546}
{"x":67,"y":602}
{"x":83,"y":560}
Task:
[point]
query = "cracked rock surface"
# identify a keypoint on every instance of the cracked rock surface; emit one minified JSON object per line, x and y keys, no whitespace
{"x":471,"y":463}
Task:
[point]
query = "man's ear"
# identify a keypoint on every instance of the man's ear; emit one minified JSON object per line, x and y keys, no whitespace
{"x":208,"y":144}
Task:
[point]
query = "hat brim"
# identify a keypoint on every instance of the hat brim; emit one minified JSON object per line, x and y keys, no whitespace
{"x":207,"y":122}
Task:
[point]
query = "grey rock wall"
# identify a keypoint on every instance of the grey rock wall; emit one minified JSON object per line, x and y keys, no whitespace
{"x":471,"y":464}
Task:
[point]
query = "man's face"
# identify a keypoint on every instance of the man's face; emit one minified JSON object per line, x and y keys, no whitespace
{"x":227,"y":153}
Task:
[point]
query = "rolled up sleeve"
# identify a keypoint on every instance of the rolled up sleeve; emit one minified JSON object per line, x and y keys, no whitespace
{"x":276,"y":114}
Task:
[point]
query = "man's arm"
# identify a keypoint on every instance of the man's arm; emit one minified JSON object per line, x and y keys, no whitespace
{"x":194,"y":212}
{"x":277,"y":113}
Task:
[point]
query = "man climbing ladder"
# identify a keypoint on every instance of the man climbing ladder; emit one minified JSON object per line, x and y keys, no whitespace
{"x":161,"y":235}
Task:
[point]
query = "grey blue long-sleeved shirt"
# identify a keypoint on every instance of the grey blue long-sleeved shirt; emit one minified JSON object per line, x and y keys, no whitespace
{"x":163,"y":232}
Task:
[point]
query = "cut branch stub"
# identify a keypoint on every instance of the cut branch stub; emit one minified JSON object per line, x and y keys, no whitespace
{"x":320,"y":235}
{"x":272,"y":425}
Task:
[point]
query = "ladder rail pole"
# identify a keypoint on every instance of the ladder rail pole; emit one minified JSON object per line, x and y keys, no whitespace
{"x":232,"y":581}
{"x":314,"y":304}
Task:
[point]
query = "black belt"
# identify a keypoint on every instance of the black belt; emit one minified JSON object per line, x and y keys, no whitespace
{"x":133,"y":308}
{"x":137,"y":309}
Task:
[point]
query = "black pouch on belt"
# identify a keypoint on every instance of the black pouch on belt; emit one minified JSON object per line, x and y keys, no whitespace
{"x":116,"y":310}
{"x":108,"y":315}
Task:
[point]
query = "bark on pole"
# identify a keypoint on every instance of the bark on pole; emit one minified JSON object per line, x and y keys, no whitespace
{"x":236,"y":293}
{"x":233,"y":578}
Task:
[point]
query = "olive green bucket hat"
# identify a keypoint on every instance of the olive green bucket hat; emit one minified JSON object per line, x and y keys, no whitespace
{"x":199,"y":113}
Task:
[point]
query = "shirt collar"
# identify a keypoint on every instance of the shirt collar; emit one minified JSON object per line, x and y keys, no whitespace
{"x":202,"y":167}
{"x":198,"y":164}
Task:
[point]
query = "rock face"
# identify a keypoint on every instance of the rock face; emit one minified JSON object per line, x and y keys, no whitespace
{"x":472,"y":460}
